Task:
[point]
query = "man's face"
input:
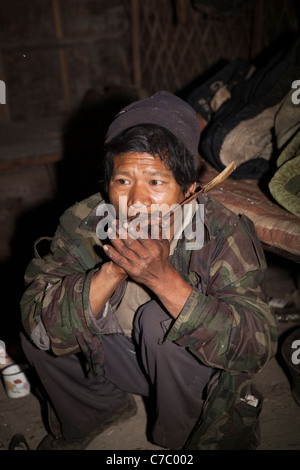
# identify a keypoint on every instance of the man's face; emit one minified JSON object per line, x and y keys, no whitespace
{"x":144,"y":181}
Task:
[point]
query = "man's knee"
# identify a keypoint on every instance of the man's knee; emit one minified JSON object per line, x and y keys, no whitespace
{"x":151,"y":322}
{"x":29,"y":349}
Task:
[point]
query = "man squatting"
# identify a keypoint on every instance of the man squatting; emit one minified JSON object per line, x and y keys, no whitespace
{"x":184,"y":328}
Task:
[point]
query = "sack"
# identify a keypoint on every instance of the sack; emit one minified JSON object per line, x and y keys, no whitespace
{"x":285,"y":183}
{"x":241,"y":129}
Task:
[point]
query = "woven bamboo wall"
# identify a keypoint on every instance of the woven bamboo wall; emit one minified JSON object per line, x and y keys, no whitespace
{"x":53,"y":51}
{"x":179,"y":41}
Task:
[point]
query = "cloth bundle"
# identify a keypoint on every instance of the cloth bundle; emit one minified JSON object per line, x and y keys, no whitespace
{"x":285,"y":184}
{"x":240,"y":105}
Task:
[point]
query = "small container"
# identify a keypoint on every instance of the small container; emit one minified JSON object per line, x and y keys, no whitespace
{"x":5,"y":359}
{"x":15,"y":380}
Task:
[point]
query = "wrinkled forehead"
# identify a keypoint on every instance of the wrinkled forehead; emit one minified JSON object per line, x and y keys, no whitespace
{"x":141,"y":162}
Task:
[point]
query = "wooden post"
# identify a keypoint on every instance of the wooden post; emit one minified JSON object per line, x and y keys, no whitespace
{"x":135,"y":10}
{"x":61,"y":51}
{"x":181,"y":13}
{"x":257,"y":28}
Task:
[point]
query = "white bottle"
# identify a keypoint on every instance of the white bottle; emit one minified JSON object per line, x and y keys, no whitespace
{"x":5,"y":359}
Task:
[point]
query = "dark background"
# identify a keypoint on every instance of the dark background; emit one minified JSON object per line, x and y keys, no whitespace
{"x":68,"y":66}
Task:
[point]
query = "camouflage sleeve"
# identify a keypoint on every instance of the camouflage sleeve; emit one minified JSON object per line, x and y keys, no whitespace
{"x":227,"y":322}
{"x":57,"y":290}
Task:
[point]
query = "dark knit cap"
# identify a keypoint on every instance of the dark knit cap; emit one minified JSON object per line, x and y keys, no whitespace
{"x":162,"y":109}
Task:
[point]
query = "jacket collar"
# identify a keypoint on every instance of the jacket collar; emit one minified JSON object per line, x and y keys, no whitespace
{"x":90,"y":222}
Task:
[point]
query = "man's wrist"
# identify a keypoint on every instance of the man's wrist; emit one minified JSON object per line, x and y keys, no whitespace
{"x":172,"y":290}
{"x":113,"y":271}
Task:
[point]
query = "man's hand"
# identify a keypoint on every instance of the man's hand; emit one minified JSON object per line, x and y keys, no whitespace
{"x":145,"y":260}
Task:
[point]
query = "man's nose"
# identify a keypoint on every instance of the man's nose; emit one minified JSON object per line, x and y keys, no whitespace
{"x":139,"y":196}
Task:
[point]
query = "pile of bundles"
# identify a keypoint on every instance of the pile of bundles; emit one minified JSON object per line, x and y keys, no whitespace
{"x":248,"y":115}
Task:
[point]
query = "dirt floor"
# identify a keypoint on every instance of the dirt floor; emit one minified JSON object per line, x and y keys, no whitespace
{"x":280,"y":417}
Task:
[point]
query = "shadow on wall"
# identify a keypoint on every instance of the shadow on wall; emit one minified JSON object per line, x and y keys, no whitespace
{"x":79,"y":173}
{"x":78,"y":176}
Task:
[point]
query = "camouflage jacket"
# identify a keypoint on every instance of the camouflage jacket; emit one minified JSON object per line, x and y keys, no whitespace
{"x":226,"y":322}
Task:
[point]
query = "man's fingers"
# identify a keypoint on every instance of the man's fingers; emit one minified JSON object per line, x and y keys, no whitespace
{"x":134,"y":243}
{"x":115,"y":256}
{"x":149,"y":226}
{"x":125,"y":245}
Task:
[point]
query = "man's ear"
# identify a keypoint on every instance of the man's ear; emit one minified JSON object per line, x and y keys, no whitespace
{"x":191,"y":190}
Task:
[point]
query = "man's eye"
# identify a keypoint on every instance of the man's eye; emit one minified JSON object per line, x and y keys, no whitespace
{"x":156,"y":182}
{"x":122,"y":181}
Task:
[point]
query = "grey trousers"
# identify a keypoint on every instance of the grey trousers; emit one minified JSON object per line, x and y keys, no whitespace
{"x":172,"y":378}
